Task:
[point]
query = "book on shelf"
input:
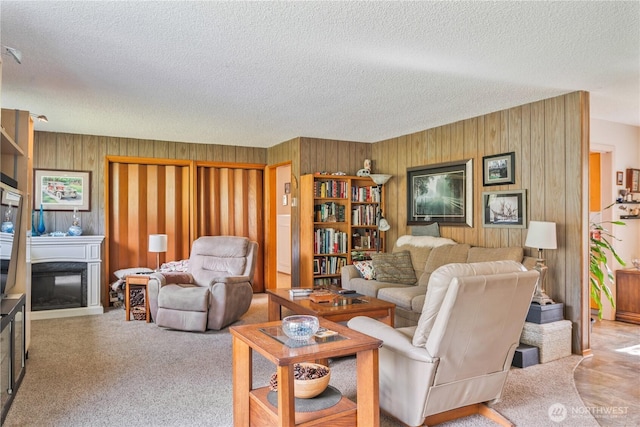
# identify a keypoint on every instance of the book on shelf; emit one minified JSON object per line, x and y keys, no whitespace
{"x":330,"y":241}
{"x":330,"y":189}
{"x":364,"y":215}
{"x":329,"y":212}
{"x":326,"y":281}
{"x":330,"y":264}
{"x":368,"y":194}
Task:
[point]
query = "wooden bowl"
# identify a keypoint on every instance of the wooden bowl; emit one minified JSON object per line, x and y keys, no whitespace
{"x":306,"y":389}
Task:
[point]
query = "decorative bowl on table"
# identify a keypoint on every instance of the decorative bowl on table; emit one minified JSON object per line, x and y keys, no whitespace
{"x":300,"y":327}
{"x":309,"y":380}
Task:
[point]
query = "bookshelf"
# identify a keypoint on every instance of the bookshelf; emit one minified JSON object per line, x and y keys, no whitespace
{"x":337,"y":217}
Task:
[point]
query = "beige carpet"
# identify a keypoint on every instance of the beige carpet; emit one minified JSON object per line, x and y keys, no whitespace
{"x":103,"y":371}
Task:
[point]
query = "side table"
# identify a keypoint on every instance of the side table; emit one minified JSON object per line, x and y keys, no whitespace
{"x":251,"y":407}
{"x":138,"y":280}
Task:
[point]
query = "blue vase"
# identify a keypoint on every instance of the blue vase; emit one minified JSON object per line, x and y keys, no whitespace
{"x":41,"y":223}
{"x":34,"y":232}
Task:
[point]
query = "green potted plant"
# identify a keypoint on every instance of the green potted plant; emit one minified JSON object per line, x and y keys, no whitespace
{"x":600,"y":245}
{"x":358,"y":256}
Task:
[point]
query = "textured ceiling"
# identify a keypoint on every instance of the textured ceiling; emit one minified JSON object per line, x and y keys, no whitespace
{"x":259,"y":73}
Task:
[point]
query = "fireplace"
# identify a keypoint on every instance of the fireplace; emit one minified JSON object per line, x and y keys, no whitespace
{"x":65,"y":276}
{"x":58,"y":285}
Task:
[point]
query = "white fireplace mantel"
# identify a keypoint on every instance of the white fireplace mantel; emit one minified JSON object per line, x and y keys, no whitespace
{"x":71,"y":249}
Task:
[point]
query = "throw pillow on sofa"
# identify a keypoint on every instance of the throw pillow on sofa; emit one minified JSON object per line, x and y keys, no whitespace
{"x":442,"y":255}
{"x":366,"y":269}
{"x":432,"y":230}
{"x":394,"y":267}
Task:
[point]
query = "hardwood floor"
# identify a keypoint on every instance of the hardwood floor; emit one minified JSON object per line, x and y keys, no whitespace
{"x":609,"y":382}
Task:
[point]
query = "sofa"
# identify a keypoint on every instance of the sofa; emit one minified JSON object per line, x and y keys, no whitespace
{"x":402,"y":276}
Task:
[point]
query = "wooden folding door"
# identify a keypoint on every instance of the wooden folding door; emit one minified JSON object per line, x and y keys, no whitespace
{"x":147,"y":196}
{"x":229,"y":200}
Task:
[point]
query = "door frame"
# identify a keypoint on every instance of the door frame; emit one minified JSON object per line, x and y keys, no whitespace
{"x":271,"y":220}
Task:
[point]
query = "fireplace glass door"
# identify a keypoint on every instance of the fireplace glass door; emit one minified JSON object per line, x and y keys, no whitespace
{"x":58,"y":285}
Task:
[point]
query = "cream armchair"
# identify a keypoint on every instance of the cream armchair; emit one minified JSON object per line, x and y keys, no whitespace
{"x":458,"y":356}
{"x":215,"y":291}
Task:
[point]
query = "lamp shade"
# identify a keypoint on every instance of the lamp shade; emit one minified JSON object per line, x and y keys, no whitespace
{"x":384,"y":225}
{"x":157,"y":242}
{"x":541,"y":235}
{"x":380,"y":178}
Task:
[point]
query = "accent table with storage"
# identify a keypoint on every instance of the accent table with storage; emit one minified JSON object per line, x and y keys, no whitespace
{"x":251,"y":406}
{"x":140,"y":280}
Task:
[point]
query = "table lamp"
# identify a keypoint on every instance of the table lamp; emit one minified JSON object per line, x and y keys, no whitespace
{"x":541,"y":235}
{"x":157,"y":244}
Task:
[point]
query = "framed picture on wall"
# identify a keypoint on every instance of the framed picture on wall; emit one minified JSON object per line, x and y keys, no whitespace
{"x":504,"y":209}
{"x":633,"y":180}
{"x":499,"y":169}
{"x":440,"y":193}
{"x":61,"y":190}
{"x":619,"y":177}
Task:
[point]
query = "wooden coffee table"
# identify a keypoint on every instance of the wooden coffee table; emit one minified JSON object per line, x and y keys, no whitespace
{"x":251,"y":407}
{"x":375,"y":308}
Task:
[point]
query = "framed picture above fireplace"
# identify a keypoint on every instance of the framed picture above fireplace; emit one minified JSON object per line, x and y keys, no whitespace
{"x":62,"y":190}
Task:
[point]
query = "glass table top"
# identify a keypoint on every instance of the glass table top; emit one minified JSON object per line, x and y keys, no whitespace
{"x":321,"y":337}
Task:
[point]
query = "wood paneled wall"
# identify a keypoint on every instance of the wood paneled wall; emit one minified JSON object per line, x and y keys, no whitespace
{"x":87,"y":152}
{"x":331,"y":156}
{"x":309,"y":155}
{"x":550,"y":139}
{"x":287,"y":152}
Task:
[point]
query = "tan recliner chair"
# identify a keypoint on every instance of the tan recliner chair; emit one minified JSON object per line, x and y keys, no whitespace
{"x":458,"y":356}
{"x":214,"y":292}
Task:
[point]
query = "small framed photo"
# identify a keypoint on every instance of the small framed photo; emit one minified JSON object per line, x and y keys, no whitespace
{"x":365,"y":242}
{"x":316,"y":266}
{"x":61,"y":190}
{"x":10,"y":198}
{"x":504,"y":209}
{"x":287,"y":188}
{"x":619,"y":177}
{"x":499,"y":169}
